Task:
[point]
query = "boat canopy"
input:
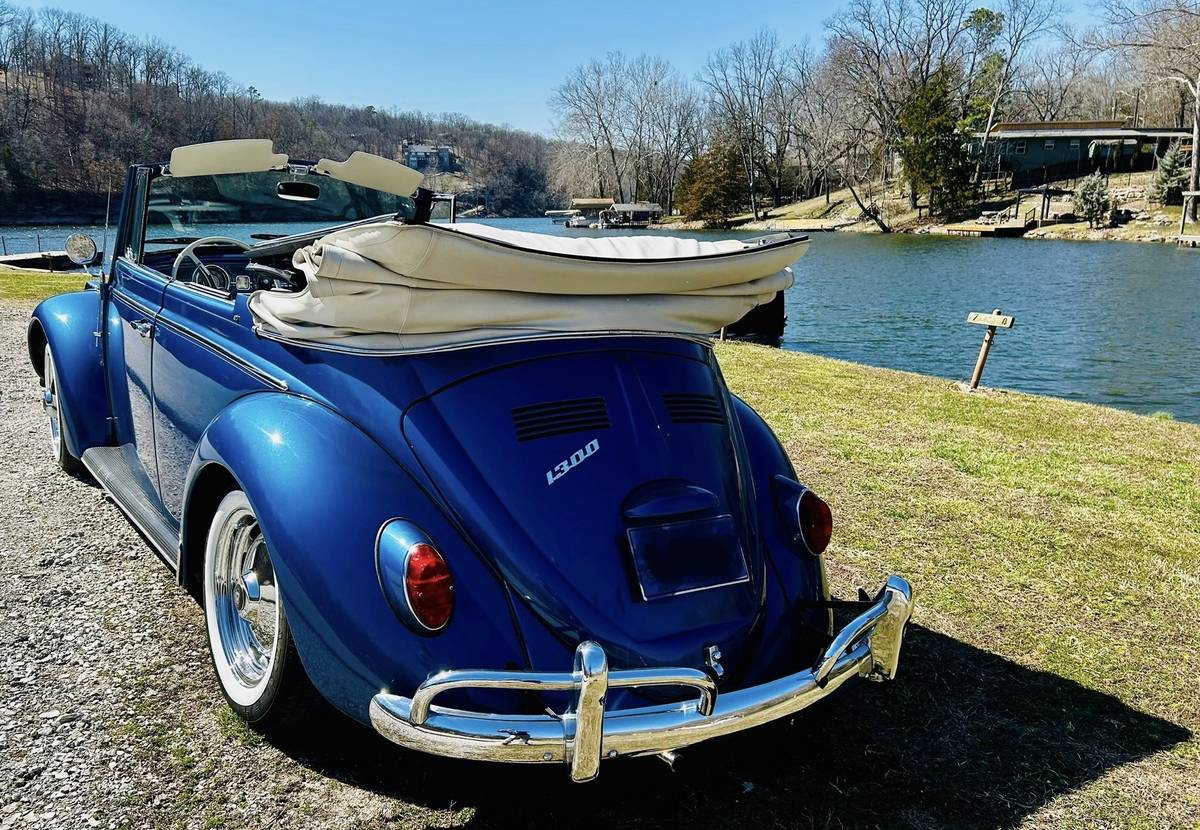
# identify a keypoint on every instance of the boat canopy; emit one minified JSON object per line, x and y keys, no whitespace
{"x":393,"y":287}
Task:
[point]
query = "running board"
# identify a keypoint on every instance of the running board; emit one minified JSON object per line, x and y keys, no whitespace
{"x":119,"y":471}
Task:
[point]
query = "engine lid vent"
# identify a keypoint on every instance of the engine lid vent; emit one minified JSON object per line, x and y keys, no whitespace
{"x":689,"y":408}
{"x":542,"y":420}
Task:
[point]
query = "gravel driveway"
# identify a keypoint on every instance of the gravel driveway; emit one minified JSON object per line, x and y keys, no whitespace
{"x":110,"y":716}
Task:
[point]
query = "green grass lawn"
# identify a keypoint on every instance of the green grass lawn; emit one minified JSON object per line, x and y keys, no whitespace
{"x":1052,"y":677}
{"x":21,"y":287}
{"x":1054,"y":545}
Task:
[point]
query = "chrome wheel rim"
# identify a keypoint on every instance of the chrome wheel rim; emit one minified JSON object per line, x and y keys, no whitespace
{"x":50,"y":405}
{"x":245,"y":601}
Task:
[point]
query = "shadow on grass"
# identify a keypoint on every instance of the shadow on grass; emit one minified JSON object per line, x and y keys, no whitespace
{"x":962,"y":738}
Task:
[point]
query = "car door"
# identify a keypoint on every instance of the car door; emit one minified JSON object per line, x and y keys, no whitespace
{"x":201,"y":364}
{"x":135,"y":297}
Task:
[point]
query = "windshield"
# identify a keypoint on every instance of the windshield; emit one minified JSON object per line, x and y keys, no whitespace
{"x":253,"y":207}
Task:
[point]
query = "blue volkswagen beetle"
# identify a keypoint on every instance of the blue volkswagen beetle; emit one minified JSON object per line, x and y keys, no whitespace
{"x":485,"y":492}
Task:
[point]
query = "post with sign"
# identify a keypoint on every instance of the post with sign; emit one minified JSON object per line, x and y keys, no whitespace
{"x":993,"y":321}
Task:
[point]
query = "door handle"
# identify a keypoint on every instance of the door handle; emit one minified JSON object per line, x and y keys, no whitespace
{"x":142,"y":327}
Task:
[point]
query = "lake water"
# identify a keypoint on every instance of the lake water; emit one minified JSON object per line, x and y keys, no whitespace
{"x":1107,"y":322}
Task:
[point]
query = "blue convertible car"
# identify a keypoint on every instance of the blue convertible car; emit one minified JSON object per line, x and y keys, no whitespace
{"x":484,"y":490}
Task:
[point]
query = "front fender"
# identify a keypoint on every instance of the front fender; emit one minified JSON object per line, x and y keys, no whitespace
{"x":68,"y":323}
{"x":321,"y":489}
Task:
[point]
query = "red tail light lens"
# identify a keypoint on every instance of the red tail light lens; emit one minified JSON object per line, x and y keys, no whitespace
{"x":816,"y":522}
{"x":428,"y":586}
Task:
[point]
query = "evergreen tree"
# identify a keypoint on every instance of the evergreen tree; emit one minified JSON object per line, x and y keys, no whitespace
{"x":712,"y":188}
{"x":1171,"y":177}
{"x":932,"y":149}
{"x":1091,"y":199}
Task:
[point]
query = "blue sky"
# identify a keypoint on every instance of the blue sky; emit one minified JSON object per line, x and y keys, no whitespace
{"x":506,"y":57}
{"x":492,"y":61}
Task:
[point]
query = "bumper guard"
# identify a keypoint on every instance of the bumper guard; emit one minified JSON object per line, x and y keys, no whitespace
{"x":869,"y":646}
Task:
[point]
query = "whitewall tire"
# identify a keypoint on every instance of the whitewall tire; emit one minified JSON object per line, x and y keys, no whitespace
{"x":248,"y":635}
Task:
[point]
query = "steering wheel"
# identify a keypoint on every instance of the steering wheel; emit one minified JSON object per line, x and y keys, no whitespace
{"x":201,"y":269}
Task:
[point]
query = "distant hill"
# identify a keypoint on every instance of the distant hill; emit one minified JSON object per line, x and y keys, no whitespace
{"x":80,"y":100}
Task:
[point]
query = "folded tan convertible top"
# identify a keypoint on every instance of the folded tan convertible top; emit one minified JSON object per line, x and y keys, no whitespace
{"x":388,"y":286}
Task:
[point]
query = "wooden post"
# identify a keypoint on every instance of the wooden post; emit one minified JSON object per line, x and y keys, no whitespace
{"x":993,"y":321}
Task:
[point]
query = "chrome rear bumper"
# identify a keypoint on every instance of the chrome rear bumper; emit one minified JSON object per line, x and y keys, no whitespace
{"x":868,"y":647}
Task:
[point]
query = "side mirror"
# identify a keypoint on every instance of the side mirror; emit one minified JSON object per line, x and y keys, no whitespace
{"x":81,"y":249}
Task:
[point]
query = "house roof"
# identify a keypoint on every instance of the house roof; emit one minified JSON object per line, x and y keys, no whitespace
{"x":591,"y":203}
{"x":1081,"y":129}
{"x":629,"y":207}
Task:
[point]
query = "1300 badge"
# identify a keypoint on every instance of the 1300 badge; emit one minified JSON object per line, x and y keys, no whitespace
{"x":578,"y":457}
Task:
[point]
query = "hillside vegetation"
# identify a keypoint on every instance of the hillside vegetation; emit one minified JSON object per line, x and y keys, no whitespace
{"x":80,"y":100}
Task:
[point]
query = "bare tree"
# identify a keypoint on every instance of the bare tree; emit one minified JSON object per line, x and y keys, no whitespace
{"x":1048,"y":83}
{"x":1022,"y":22}
{"x":1163,"y":38}
{"x":589,"y":103}
{"x":743,"y":82}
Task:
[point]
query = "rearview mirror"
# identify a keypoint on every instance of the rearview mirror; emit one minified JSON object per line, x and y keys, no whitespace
{"x":298,"y":191}
{"x":81,"y":249}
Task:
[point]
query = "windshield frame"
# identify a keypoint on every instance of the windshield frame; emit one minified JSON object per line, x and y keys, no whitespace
{"x":143,"y":227}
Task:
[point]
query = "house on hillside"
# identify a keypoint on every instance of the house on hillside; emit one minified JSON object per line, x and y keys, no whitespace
{"x":1034,"y":152}
{"x":430,"y":157}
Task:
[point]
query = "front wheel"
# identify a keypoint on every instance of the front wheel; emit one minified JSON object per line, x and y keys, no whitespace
{"x":248,"y":635}
{"x":52,"y":405}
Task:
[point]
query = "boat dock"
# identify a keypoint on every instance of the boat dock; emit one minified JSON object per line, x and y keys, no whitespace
{"x":984,"y":229}
{"x":40,"y":261}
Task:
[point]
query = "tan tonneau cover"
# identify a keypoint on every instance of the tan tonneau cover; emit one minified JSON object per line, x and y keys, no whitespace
{"x":388,"y":286}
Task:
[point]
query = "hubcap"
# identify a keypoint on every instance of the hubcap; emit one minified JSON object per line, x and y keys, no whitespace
{"x":246,"y":601}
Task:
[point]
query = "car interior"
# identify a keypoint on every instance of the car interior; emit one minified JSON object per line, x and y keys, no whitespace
{"x":236,"y":233}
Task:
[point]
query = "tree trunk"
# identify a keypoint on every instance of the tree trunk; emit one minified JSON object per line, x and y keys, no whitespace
{"x":1194,"y":178}
{"x":913,"y":196}
{"x":871,"y":213}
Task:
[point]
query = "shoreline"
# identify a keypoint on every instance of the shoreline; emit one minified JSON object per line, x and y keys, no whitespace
{"x":1133,"y":231}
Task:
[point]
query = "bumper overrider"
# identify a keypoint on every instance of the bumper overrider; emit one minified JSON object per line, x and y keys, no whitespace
{"x":869,"y":646}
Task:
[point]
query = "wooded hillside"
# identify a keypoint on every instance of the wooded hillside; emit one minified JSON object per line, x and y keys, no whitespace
{"x":80,"y":100}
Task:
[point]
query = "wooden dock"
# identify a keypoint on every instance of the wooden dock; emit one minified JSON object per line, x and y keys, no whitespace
{"x":40,"y":261}
{"x":984,"y":229}
{"x":1187,"y":240}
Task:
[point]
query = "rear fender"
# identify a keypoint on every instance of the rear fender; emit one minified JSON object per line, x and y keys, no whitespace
{"x":68,"y":323}
{"x":322,"y":489}
{"x":801,"y":576}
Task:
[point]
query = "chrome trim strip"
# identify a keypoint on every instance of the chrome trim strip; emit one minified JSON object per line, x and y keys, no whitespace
{"x":207,"y":290}
{"x":136,"y":305}
{"x":221,"y":351}
{"x":700,"y":339}
{"x":587,"y":734}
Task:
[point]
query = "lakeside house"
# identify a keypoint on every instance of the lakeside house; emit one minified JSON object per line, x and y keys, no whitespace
{"x":1034,"y":152}
{"x":428,"y":157}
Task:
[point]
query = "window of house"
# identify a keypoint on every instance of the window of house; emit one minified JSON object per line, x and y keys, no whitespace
{"x":1020,"y":147}
{"x":1049,"y":144}
{"x":1074,"y":143}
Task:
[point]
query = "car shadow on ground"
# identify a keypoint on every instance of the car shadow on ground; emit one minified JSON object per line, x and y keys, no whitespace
{"x":963,"y":738}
